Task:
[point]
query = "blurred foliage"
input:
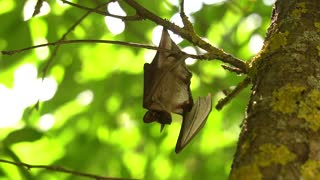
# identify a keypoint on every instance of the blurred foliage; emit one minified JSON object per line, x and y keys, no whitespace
{"x":93,"y":123}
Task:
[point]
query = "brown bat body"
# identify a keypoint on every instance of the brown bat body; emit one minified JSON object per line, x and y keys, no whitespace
{"x":166,"y":84}
{"x":167,"y":90}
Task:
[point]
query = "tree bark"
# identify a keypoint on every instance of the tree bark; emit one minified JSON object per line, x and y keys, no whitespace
{"x":280,"y":137}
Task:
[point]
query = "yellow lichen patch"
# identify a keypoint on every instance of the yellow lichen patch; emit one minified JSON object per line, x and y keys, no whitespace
{"x":249,"y":172}
{"x":244,"y":147}
{"x":300,"y":9}
{"x":285,"y":99}
{"x":309,"y":109}
{"x":270,"y":153}
{"x":317,"y":25}
{"x":318,"y":48}
{"x":278,"y":40}
{"x":310,"y":170}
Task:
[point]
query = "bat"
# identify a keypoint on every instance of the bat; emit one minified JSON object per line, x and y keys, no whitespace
{"x":167,"y":90}
{"x":194,"y":121}
{"x":166,"y":84}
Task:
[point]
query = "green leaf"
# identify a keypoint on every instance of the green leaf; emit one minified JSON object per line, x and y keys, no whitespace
{"x":22,"y":135}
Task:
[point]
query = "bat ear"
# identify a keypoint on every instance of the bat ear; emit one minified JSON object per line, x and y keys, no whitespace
{"x":194,"y":121}
{"x":161,"y":117}
{"x":162,"y":126}
{"x":149,"y":117}
{"x":165,"y":42}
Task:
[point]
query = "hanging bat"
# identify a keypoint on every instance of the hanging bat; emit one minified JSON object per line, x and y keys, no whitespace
{"x":166,"y":84}
{"x":194,"y":121}
{"x":167,"y":90}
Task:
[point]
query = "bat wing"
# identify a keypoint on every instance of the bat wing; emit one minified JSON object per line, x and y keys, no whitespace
{"x":193,"y":121}
{"x":147,"y":84}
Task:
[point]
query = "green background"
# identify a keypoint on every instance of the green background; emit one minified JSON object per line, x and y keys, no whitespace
{"x":96,"y":111}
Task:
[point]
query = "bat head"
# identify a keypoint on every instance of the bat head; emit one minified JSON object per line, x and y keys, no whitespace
{"x":161,"y":117}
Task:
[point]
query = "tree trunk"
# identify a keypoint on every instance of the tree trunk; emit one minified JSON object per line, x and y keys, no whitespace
{"x":280,"y":137}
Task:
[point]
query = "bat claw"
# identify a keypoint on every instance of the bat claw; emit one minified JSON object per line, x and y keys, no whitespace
{"x":162,"y":126}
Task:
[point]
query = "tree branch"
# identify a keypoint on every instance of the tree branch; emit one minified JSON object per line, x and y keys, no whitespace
{"x":63,"y":170}
{"x":190,"y":36}
{"x":243,"y":84}
{"x":186,"y":32}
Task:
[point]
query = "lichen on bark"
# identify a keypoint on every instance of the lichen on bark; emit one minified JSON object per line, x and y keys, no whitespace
{"x":310,"y":170}
{"x":283,"y":114}
{"x":287,"y":98}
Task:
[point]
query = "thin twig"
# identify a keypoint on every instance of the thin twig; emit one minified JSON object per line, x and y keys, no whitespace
{"x":61,"y":169}
{"x":105,"y":13}
{"x":122,"y":43}
{"x":182,"y":7}
{"x":185,"y":20}
{"x":227,"y":58}
{"x":232,"y":69}
{"x":23,"y":171}
{"x":54,"y":53}
{"x":37,"y":8}
{"x":243,"y":84}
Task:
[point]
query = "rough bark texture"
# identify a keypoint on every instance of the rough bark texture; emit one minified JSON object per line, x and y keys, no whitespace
{"x":280,"y":136}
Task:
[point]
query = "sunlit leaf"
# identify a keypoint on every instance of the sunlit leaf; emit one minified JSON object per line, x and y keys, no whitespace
{"x":22,"y":135}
